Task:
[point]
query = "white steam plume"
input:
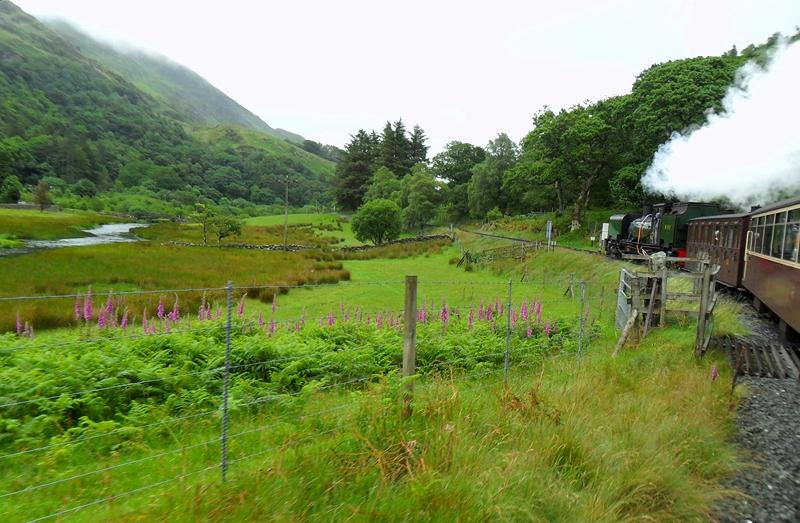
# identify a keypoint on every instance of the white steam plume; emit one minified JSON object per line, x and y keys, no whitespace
{"x":749,"y":152}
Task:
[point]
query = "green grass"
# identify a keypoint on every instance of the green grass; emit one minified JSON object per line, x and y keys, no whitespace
{"x":9,"y":242}
{"x":49,"y":225}
{"x":251,"y":234}
{"x":639,"y":437}
{"x":144,"y":266}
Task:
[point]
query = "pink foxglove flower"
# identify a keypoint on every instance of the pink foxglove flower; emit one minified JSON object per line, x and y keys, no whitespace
{"x":523,"y":311}
{"x":481,"y":313}
{"x":78,"y":309}
{"x":87,"y":306}
{"x":261,"y":319}
{"x":547,"y":328}
{"x":109,"y":307}
{"x":124,"y":323}
{"x":219,"y":312}
{"x":102,"y":319}
{"x":530,"y":331}
{"x":714,"y":373}
{"x":160,"y":308}
{"x":488,"y":314}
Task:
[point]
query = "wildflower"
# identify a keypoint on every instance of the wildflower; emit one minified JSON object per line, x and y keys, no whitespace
{"x":109,"y":307}
{"x":124,"y":323}
{"x":714,"y":373}
{"x":331,"y":319}
{"x":470,"y":318}
{"x":19,"y":325}
{"x":28,"y":330}
{"x":219,"y":312}
{"x":272,"y":326}
{"x":481,"y":313}
{"x":160,"y":308}
{"x":444,"y":315}
{"x":547,"y":328}
{"x":261,"y":319}
{"x":102,"y":318}
{"x":513,"y":318}
{"x":530,"y":331}
{"x":523,"y":311}
{"x":144,"y":321}
{"x":78,"y":309}
{"x":240,"y":307}
{"x":87,"y":305}
{"x":379,"y":320}
{"x":488,"y":314}
{"x":175,"y":313}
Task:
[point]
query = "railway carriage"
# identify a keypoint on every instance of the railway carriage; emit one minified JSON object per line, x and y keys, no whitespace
{"x":772,"y":262}
{"x":721,"y":239}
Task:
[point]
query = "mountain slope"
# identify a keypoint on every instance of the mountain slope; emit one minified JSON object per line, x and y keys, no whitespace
{"x":87,"y":129}
{"x":185,"y":95}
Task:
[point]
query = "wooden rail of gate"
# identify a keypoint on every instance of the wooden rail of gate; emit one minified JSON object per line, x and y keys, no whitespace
{"x":655,"y":295}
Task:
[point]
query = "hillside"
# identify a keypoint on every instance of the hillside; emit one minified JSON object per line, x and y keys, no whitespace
{"x":184,"y":95}
{"x":87,"y":130}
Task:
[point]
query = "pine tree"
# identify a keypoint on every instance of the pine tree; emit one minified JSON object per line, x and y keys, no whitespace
{"x":396,"y":149}
{"x":418,"y":149}
{"x":354,"y":172}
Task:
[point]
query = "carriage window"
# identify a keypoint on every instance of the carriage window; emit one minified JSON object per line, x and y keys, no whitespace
{"x":766,"y":246}
{"x":791,"y":243}
{"x":777,"y":235}
{"x":731,"y":237}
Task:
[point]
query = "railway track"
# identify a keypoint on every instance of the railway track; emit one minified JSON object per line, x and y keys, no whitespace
{"x":762,"y":358}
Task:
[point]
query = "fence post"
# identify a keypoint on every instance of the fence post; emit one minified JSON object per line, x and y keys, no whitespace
{"x":508,"y":336}
{"x":581,"y":320}
{"x":409,"y":341}
{"x":701,"y":318}
{"x":226,"y":380}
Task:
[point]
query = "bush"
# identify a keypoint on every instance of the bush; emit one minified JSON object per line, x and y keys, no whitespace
{"x":377,"y":221}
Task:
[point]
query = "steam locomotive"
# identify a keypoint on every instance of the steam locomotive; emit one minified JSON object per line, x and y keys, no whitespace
{"x":664,"y":227}
{"x":756,"y":251}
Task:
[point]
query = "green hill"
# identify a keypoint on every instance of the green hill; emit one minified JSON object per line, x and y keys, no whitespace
{"x":87,"y":129}
{"x":184,"y":95}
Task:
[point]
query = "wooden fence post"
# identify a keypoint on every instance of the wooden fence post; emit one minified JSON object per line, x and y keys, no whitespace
{"x":702,"y":315}
{"x":409,"y":341}
{"x":662,"y":320}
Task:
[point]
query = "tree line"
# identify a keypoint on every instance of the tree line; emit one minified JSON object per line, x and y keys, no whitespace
{"x":590,"y":154}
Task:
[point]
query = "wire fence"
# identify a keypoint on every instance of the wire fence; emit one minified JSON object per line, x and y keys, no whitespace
{"x":106,"y":401}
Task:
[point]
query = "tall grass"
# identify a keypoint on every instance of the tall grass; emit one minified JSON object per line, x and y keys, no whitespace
{"x":145,"y":266}
{"x":35,"y":225}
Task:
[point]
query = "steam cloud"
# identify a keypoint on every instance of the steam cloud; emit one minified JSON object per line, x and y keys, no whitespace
{"x":749,"y":152}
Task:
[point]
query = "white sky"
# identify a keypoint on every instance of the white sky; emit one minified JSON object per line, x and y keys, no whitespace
{"x":463,"y":70}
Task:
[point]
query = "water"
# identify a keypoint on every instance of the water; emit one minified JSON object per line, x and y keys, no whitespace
{"x":108,"y":233}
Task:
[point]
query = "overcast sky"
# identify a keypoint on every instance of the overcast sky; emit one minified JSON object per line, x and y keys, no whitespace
{"x":463,"y":70}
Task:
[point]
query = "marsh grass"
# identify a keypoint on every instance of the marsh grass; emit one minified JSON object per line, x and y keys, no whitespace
{"x":49,"y":225}
{"x":146,"y":266}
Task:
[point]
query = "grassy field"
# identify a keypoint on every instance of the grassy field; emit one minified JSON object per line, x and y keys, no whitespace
{"x":641,"y":437}
{"x":251,"y":234}
{"x":49,"y":225}
{"x":144,"y":266}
